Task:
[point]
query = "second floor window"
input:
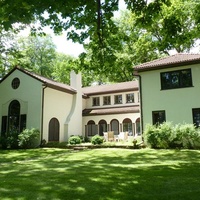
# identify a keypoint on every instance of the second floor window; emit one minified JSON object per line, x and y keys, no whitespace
{"x":118,"y":99}
{"x":176,"y":79}
{"x":95,"y":101}
{"x":106,"y":100}
{"x":130,"y":98}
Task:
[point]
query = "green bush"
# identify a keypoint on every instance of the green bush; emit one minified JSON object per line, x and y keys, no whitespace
{"x":74,"y":140}
{"x":29,"y":138}
{"x":3,"y":142}
{"x":97,"y":139}
{"x":168,"y":136}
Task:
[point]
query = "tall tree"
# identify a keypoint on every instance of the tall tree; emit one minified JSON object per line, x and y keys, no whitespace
{"x":37,"y":53}
{"x":7,"y":50}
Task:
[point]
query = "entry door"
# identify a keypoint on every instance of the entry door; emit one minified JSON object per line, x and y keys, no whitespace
{"x":54,"y":129}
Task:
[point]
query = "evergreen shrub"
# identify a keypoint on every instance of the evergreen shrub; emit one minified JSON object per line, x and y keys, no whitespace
{"x":167,"y":135}
{"x":97,"y":139}
{"x":29,"y":138}
{"x":74,"y":140}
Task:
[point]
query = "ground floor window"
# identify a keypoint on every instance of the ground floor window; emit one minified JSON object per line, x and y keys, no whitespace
{"x":91,"y":128}
{"x":158,"y":117}
{"x":14,"y":121}
{"x":138,"y":126}
{"x":102,"y":127}
{"x":115,"y":126}
{"x":196,"y":116}
{"x":127,"y":126}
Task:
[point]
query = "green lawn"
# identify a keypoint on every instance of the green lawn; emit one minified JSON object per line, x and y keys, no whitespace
{"x":99,"y":174}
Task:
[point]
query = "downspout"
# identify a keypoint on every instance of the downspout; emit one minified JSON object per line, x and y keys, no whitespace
{"x":42,"y":115}
{"x":141,"y":102}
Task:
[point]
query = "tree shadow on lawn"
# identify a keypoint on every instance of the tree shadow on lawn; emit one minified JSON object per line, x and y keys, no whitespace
{"x":102,"y":174}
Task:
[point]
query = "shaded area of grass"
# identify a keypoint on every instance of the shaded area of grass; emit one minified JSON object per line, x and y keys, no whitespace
{"x":99,"y":174}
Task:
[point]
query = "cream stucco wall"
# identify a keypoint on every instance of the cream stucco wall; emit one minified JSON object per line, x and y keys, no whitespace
{"x":136,"y":100}
{"x":177,"y":103}
{"x":108,"y":118}
{"x":57,"y":104}
{"x":28,"y":94}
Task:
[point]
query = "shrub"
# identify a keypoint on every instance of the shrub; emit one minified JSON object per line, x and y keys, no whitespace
{"x":29,"y":138}
{"x":168,"y":136}
{"x":151,"y":136}
{"x":3,"y":142}
{"x":97,"y":139}
{"x":74,"y":140}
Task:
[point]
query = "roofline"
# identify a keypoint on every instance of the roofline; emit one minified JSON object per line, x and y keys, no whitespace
{"x":111,"y":113}
{"x":56,"y":87}
{"x":168,"y":65}
{"x":112,"y":92}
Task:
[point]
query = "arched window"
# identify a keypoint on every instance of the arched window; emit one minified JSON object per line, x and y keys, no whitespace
{"x":91,"y":128}
{"x":115,"y":126}
{"x":102,"y":127}
{"x":14,"y":116}
{"x":138,"y":126}
{"x":54,"y":129}
{"x":127,"y":126}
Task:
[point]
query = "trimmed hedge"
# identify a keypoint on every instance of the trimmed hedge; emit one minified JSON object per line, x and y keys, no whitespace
{"x":167,"y":135}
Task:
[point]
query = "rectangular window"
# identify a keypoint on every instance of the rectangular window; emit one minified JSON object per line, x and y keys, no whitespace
{"x":158,"y":117}
{"x":106,"y":100}
{"x":118,"y":99}
{"x":130,"y":98}
{"x":95,"y":101}
{"x":196,"y":116}
{"x":176,"y":79}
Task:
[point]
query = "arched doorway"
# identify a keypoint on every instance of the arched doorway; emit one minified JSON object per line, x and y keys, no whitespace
{"x":127,"y":126}
{"x":14,"y":117}
{"x":54,"y":130}
{"x":115,"y":126}
{"x":91,"y":128}
{"x":102,"y":127}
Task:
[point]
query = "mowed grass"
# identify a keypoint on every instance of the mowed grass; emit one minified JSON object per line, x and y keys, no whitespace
{"x":99,"y":174}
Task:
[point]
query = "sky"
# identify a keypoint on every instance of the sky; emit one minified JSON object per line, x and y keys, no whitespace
{"x":67,"y":46}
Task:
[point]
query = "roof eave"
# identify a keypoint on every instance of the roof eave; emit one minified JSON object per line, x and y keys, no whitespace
{"x":168,"y":65}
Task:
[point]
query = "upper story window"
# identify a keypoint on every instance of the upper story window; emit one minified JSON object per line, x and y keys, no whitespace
{"x":118,"y":99}
{"x":130,"y":98}
{"x":95,"y":101}
{"x":106,"y":100}
{"x":15,"y":83}
{"x":176,"y":79}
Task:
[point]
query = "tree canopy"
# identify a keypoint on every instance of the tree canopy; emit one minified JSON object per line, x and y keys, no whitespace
{"x":150,"y":29}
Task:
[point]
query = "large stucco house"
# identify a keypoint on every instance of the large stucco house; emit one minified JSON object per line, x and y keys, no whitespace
{"x":58,"y":110}
{"x":170,"y":89}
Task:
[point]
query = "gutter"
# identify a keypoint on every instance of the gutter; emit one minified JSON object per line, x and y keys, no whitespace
{"x":42,"y":114}
{"x":141,"y":102}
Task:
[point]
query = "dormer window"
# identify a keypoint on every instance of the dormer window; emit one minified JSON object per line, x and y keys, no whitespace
{"x":118,"y":99}
{"x":95,"y":101}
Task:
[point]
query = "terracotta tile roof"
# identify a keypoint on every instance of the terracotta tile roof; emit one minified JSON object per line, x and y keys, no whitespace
{"x":47,"y":82}
{"x":109,"y":111}
{"x":170,"y":61}
{"x":111,"y":88}
{"x":51,"y":83}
